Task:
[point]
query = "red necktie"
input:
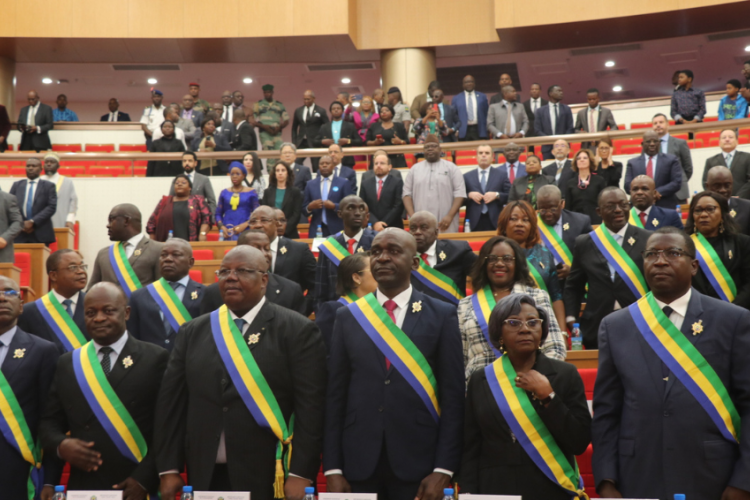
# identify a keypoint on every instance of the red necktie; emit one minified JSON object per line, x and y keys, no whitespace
{"x":512,"y":175}
{"x":380,"y":187}
{"x":642,"y":216}
{"x":390,"y":306}
{"x":351,"y":243}
{"x":424,"y":258}
{"x":650,"y":167}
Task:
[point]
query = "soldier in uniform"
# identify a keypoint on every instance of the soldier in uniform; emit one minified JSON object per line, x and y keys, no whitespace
{"x":153,"y":116}
{"x":200,"y":104}
{"x":271,"y":118}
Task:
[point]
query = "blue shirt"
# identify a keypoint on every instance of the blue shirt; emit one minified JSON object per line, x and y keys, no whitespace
{"x":66,"y":115}
{"x":5,"y":340}
{"x":336,"y":130}
{"x":732,"y":109}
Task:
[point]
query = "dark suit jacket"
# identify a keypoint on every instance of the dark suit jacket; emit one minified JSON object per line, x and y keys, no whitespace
{"x":590,"y":266}
{"x":640,"y":420}
{"x":578,"y":224}
{"x":326,"y":272}
{"x":68,"y":411}
{"x":390,"y":207}
{"x":530,"y":114}
{"x":297,"y":263}
{"x":364,"y":415}
{"x":222,"y":144}
{"x":459,"y":257}
{"x":349,"y":174}
{"x":739,"y":208}
{"x":145,"y":265}
{"x":740,"y":171}
{"x":495,"y":463}
{"x":680,"y":149}
{"x":291,"y":206}
{"x":606,"y":122}
{"x":4,"y":127}
{"x":518,"y":190}
{"x":33,"y":322}
{"x":302,"y":129}
{"x":483,"y":106}
{"x":668,"y":178}
{"x":30,"y":377}
{"x":348,"y":131}
{"x":196,"y":117}
{"x":302,"y":175}
{"x":121,"y":117}
{"x":197,"y":403}
{"x":663,"y":217}
{"x":543,"y":124}
{"x":339,"y":189}
{"x":325,"y":318}
{"x":244,"y":138}
{"x":565,"y":175}
{"x":451,"y":119}
{"x":496,"y":182}
{"x":735,"y":255}
{"x":280,"y":291}
{"x":42,"y":210}
{"x":584,"y":201}
{"x":146,"y":323}
{"x":44,"y":121}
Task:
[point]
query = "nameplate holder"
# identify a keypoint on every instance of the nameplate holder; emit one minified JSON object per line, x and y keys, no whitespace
{"x":347,"y":496}
{"x":95,"y":494}
{"x":469,"y":496}
{"x":221,"y":495}
{"x":317,"y":242}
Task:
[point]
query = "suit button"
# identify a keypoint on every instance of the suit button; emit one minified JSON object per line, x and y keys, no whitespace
{"x":223,"y":381}
{"x":666,"y":413}
{"x":387,"y":382}
{"x":380,"y":409}
{"x":166,"y":341}
{"x":225,"y":409}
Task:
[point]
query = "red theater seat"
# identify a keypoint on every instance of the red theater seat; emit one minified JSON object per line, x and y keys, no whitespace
{"x":196,"y":275}
{"x":476,"y":245}
{"x":18,"y":171}
{"x":204,"y":254}
{"x":100,"y":148}
{"x":72,"y":171}
{"x":23,"y":260}
{"x":133,"y":147}
{"x":68,"y":148}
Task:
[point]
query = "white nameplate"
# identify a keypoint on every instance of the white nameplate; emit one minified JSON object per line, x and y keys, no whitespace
{"x":347,"y":496}
{"x":469,"y":496}
{"x":221,"y":495}
{"x":316,"y":244}
{"x":95,"y":494}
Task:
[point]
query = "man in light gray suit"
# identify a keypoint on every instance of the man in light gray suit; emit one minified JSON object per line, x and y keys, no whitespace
{"x":67,"y":199}
{"x":594,"y":114}
{"x":677,"y":147}
{"x":498,"y":124}
{"x":737,"y":161}
{"x":201,"y":184}
{"x":11,"y":223}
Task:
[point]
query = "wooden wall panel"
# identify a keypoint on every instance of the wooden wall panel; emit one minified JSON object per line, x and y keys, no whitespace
{"x":44,"y":18}
{"x":203,"y":19}
{"x":266,"y":18}
{"x":100,"y":19}
{"x":322,"y":17}
{"x":161,"y":19}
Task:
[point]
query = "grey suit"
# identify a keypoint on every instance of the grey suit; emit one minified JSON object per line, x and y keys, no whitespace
{"x":202,"y":187}
{"x":10,"y":224}
{"x":680,"y":149}
{"x":145,"y":262}
{"x":740,"y":168}
{"x":606,"y":122}
{"x":44,"y":121}
{"x":497,"y":117}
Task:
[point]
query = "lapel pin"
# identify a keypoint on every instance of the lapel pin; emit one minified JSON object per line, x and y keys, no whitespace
{"x":127,"y":362}
{"x":631,"y":241}
{"x":733,"y":213}
{"x":566,"y":226}
{"x":360,"y":250}
{"x":278,"y":292}
{"x":730,"y":255}
{"x":194,"y":295}
{"x":137,"y":252}
{"x":698,"y":328}
{"x":253,"y":338}
{"x":655,"y":222}
{"x":282,"y":250}
{"x":442,"y":256}
{"x":416,"y":307}
{"x":19,"y":353}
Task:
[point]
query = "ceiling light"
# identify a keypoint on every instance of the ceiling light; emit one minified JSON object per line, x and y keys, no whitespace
{"x":46,"y":81}
{"x":747,"y":49}
{"x":346,"y":80}
{"x":247,"y":80}
{"x":152,"y":81}
{"x":609,"y":64}
{"x":617,"y":88}
{"x":356,"y":104}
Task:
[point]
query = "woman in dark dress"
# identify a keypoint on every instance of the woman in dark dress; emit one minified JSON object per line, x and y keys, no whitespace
{"x":605,"y":166}
{"x":713,"y":228}
{"x":526,"y":187}
{"x":167,"y":144}
{"x":282,"y":194}
{"x":386,"y":132}
{"x":582,"y":191}
{"x":185,"y":214}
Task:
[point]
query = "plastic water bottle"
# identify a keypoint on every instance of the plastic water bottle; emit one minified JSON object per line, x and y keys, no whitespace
{"x":170,"y":235}
{"x":576,"y":341}
{"x":679,"y":496}
{"x":221,"y":235}
{"x":448,"y":494}
{"x":309,"y":493}
{"x":319,"y":232}
{"x":679,"y":212}
{"x":59,"y":493}
{"x":187,"y":493}
{"x":369,"y":226}
{"x":467,"y":226}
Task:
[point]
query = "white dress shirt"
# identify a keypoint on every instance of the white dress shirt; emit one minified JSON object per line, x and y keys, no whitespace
{"x":596,"y":110}
{"x":513,"y":125}
{"x":274,"y":250}
{"x":132,"y":243}
{"x":679,"y":308}
{"x":5,"y":340}
{"x":356,"y":238}
{"x":308,"y":113}
{"x":535,"y":104}
{"x":653,"y":162}
{"x":432,"y":254}
{"x":73,"y":300}
{"x":552,"y":117}
{"x":113,"y":116}
{"x":31,"y":116}
{"x":471,"y":103}
{"x":117,"y":348}
{"x":227,"y":114}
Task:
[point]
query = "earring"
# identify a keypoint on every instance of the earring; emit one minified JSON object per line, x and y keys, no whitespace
{"x":502,"y":347}
{"x":721,"y":227}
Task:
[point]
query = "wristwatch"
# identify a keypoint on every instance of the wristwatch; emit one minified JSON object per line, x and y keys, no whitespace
{"x":203,"y":233}
{"x":548,"y":399}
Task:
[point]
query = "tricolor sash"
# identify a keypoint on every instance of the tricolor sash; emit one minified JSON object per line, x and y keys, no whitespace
{"x":687,"y":364}
{"x":483,"y":303}
{"x":253,"y":388}
{"x":60,"y":322}
{"x":634,"y":219}
{"x":399,"y":349}
{"x":530,"y":430}
{"x":555,"y":244}
{"x":620,"y":260}
{"x":538,"y":280}
{"x":714,"y":268}
{"x":106,"y":405}
{"x":16,"y":431}
{"x":348,"y":298}
{"x":334,"y":250}
{"x":169,"y":303}
{"x":438,"y":282}
{"x":123,"y":270}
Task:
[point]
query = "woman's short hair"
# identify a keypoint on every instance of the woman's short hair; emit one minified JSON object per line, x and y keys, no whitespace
{"x":183,"y":176}
{"x":272,"y":181}
{"x":478,"y":273}
{"x":335,"y":103}
{"x":730,"y":227}
{"x":574,"y":162}
{"x":354,"y":263}
{"x":526,"y":208}
{"x":509,"y":306}
{"x":206,"y":120}
{"x":167,"y":121}
{"x":390,"y":108}
{"x":533,"y":156}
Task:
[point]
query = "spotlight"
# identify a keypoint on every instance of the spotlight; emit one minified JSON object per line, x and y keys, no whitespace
{"x":617,"y":88}
{"x":346,"y":80}
{"x":152,"y":81}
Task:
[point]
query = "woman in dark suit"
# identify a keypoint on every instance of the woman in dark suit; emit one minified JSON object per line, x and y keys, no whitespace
{"x":605,"y":166}
{"x":168,"y":143}
{"x":526,"y":187}
{"x":494,"y":461}
{"x":582,"y":191}
{"x":282,"y":194}
{"x":338,"y":131}
{"x":386,"y":132}
{"x":354,"y":281}
{"x":208,"y":142}
{"x":710,"y":222}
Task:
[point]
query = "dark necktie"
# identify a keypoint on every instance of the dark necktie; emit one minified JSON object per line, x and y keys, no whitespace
{"x":167,"y":325}
{"x":557,"y":118}
{"x":106,"y":361}
{"x":30,"y":200}
{"x":240,"y":325}
{"x":67,"y":303}
{"x":664,"y":368}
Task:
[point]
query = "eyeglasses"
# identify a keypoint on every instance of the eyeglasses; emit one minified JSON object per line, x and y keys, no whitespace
{"x":494,"y":259}
{"x":525,"y":220}
{"x":611,"y":207}
{"x":10,"y":293}
{"x":710,"y":210}
{"x":516,"y":324}
{"x":545,"y":211}
{"x":74,"y":269}
{"x":670,"y":254}
{"x":223,"y":274}
{"x":262,"y":221}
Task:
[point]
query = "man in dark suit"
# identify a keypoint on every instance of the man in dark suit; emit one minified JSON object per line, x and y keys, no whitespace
{"x":149,"y":320}
{"x":395,"y":447}
{"x":642,"y":195}
{"x":560,"y":170}
{"x":4,"y":128}
{"x":448,"y":114}
{"x":555,"y":118}
{"x":37,"y":199}
{"x":512,"y":168}
{"x":382,"y":194}
{"x":341,"y":170}
{"x":453,"y":258}
{"x":243,"y":138}
{"x":677,"y":147}
{"x":738,"y":162}
{"x":72,"y":430}
{"x":124,"y":226}
{"x":190,"y":112}
{"x":280,"y":291}
{"x":202,"y":416}
{"x":644,"y":413}
{"x":720,"y":181}
{"x":534,"y":102}
{"x":11,"y":223}
{"x":664,"y":169}
{"x":590,"y":266}
{"x":354,"y":238}
{"x":594,"y":118}
{"x":35,"y":121}
{"x":348,"y":135}
{"x":484,"y":192}
{"x":201,"y":184}
{"x":306,"y":124}
{"x":114,"y":114}
{"x":322,"y":196}
{"x":27,"y":364}
{"x":302,"y":173}
{"x":67,"y":276}
{"x":472,"y":107}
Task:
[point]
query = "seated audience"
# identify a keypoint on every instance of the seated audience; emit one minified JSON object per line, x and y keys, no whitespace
{"x":484,"y":191}
{"x":555,"y":118}
{"x":606,"y":167}
{"x":338,"y":131}
{"x":720,"y":181}
{"x":503,"y":124}
{"x":167,"y":143}
{"x":560,"y":171}
{"x":732,"y":106}
{"x":663,"y":168}
{"x":593,"y":118}
{"x":518,"y":327}
{"x":722,"y":251}
{"x":235,"y":204}
{"x":254,"y":168}
{"x":322,"y":196}
{"x":677,"y":147}
{"x":37,"y":199}
{"x":114,"y":115}
{"x":429,"y":124}
{"x":209,"y":141}
{"x":180,"y":215}
{"x":382,"y":193}
{"x":61,"y":113}
{"x":738,"y":162}
{"x":67,"y":199}
{"x":688,"y":103}
{"x":389,"y":133}
{"x":582,"y":191}
{"x":282,"y":194}
{"x":526,"y":187}
{"x":644,"y":213}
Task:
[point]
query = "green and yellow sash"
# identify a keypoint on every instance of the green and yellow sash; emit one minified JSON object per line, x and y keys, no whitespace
{"x":555,"y":243}
{"x":483,"y":303}
{"x":123,"y":270}
{"x":58,"y":319}
{"x":399,"y":349}
{"x":529,"y":429}
{"x":538,"y":280}
{"x":106,"y":405}
{"x":634,"y":219}
{"x":438,"y":282}
{"x":687,"y":364}
{"x":254,"y":390}
{"x":620,"y":260}
{"x":16,"y":431}
{"x":348,"y":298}
{"x":334,"y":250}
{"x":714,"y":268}
{"x":169,"y":303}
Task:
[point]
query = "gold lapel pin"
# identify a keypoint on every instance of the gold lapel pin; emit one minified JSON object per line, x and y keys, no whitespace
{"x":730,"y":255}
{"x":19,"y":353}
{"x":194,"y":295}
{"x":631,"y":241}
{"x":137,"y":252}
{"x":566,"y":226}
{"x":655,"y":222}
{"x":282,"y":250}
{"x":733,"y":213}
{"x":127,"y":362}
{"x":253,"y":338}
{"x":416,"y":307}
{"x":442,"y":256}
{"x":698,"y":327}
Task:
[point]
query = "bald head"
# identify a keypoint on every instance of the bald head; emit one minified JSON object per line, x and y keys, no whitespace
{"x":243,"y":278}
{"x":250,"y":256}
{"x":549,"y":192}
{"x":719,"y":180}
{"x":124,"y":222}
{"x":264,"y":217}
{"x":642,"y":192}
{"x":423,"y":226}
{"x":106,"y":311}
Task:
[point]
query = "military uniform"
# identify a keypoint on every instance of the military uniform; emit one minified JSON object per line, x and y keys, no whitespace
{"x":273,"y":114}
{"x":202,"y":105}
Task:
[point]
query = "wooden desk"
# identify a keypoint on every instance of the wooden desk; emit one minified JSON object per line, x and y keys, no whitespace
{"x":584,"y":359}
{"x":39,"y":254}
{"x":207,"y":269}
{"x":219,"y":248}
{"x":11,"y":271}
{"x":65,"y":238}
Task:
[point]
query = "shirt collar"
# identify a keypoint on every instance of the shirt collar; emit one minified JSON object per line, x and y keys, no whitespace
{"x":356,"y":237}
{"x":135,"y":239}
{"x":117,"y":347}
{"x":665,"y":137}
{"x":646,"y":157}
{"x":183,"y":281}
{"x":250,"y":316}
{"x":621,"y":232}
{"x":240,"y":124}
{"x":401,"y":300}
{"x":680,"y":305}
{"x":60,"y":298}
{"x":597,"y":108}
{"x":725,"y":153}
{"x":52,"y":178}
{"x":433,"y":248}
{"x":275,"y":244}
{"x":506,"y":103}
{"x":647,"y":211}
{"x":7,"y":337}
